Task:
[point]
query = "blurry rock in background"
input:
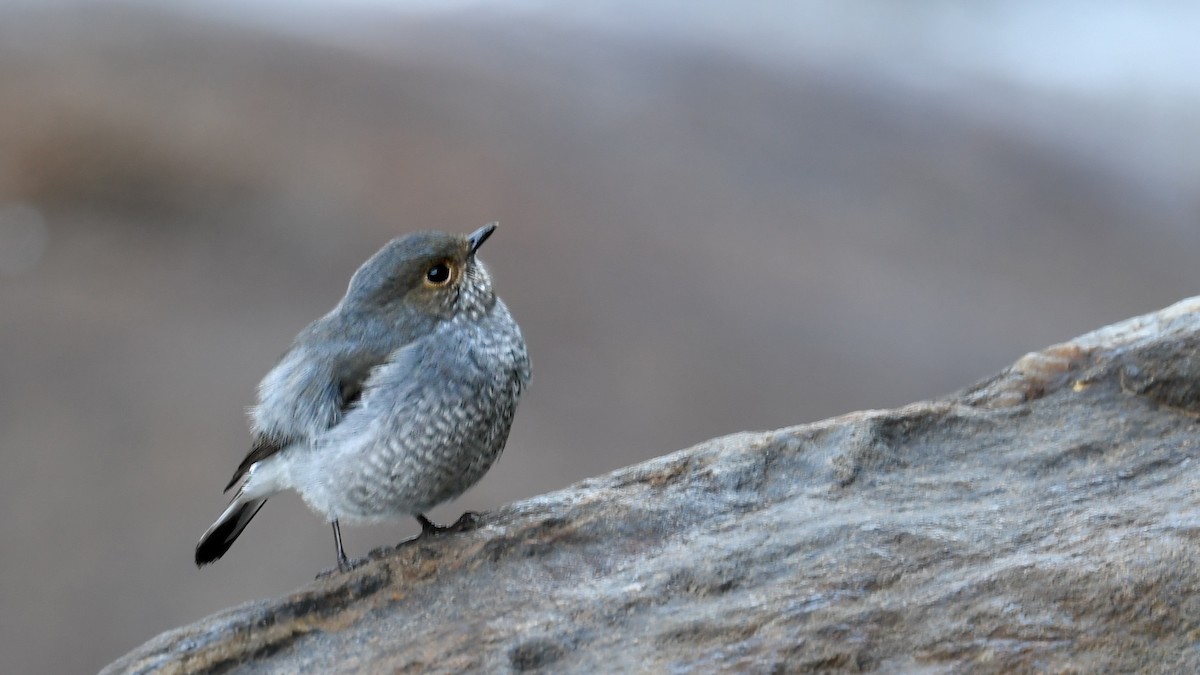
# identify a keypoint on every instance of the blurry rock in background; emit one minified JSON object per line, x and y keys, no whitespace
{"x":711,"y":221}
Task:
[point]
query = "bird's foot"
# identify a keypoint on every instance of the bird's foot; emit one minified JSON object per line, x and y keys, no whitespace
{"x":347,"y":564}
{"x":344,"y":565}
{"x":468,"y":521}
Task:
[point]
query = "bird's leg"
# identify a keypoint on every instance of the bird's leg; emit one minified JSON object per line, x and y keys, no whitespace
{"x":467,"y":521}
{"x":344,"y":563}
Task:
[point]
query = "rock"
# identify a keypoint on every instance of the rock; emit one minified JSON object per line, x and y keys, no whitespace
{"x":1046,"y":519}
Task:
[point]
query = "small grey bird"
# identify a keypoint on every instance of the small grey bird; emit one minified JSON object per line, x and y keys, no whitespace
{"x":394,"y":402}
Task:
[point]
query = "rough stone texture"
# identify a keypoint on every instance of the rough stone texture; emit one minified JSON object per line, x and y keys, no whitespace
{"x":1046,"y":519}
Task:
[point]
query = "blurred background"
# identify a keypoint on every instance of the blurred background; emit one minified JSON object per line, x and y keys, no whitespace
{"x":715,"y":217}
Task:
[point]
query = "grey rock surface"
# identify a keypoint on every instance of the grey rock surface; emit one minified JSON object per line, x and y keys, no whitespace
{"x":1046,"y":519}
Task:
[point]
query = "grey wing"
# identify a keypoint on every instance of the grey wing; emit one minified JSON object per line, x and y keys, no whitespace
{"x":306,"y":393}
{"x":385,"y":388}
{"x":407,"y":399}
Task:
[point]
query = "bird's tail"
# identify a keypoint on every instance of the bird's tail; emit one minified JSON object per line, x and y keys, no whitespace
{"x":217,"y":540}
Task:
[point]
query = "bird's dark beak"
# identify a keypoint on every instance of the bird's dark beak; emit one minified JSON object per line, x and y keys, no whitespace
{"x":479,"y":236}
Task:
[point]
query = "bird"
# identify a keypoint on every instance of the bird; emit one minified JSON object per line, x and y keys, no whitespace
{"x":397,"y":400}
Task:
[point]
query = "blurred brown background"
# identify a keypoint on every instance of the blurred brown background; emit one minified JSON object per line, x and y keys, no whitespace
{"x":715,"y":217}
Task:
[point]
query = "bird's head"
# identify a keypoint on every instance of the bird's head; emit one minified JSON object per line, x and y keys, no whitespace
{"x":425,"y":275}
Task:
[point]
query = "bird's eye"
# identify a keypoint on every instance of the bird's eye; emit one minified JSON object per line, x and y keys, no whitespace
{"x":438,"y":274}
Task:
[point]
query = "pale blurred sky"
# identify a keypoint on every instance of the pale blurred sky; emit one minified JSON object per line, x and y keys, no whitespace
{"x":1136,"y":49}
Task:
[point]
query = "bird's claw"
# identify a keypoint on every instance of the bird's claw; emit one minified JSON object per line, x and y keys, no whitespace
{"x":468,"y":521}
{"x":344,"y":565}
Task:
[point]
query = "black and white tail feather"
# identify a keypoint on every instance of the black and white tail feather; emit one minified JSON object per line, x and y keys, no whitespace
{"x":217,"y":540}
{"x":250,"y":497}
